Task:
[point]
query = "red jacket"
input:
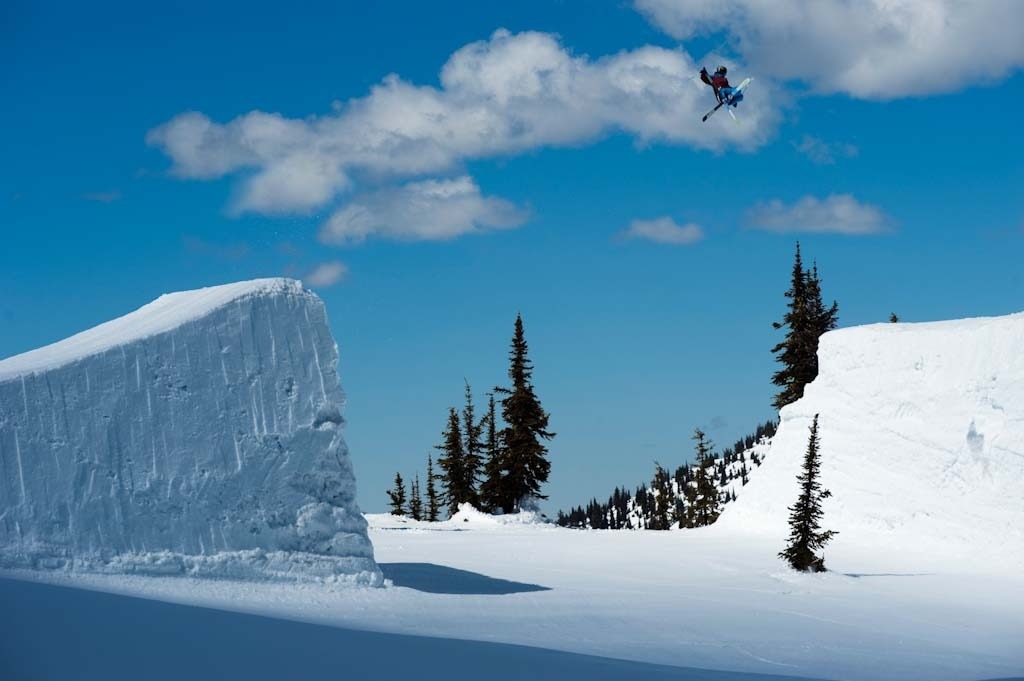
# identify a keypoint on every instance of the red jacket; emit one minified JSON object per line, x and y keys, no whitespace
{"x":716,"y":81}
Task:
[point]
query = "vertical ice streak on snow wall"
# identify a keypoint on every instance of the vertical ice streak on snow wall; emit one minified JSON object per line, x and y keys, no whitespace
{"x":194,"y":476}
{"x":21,"y":468}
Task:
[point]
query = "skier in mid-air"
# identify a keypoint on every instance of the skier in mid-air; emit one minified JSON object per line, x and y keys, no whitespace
{"x":723,"y":91}
{"x":726,"y":95}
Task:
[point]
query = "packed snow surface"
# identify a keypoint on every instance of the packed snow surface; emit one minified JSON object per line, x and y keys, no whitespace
{"x":691,"y":598}
{"x":200,"y":434}
{"x":921,"y":447}
{"x":922,"y":443}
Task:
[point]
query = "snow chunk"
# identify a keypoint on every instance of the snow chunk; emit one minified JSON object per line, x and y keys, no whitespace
{"x":199,"y":435}
{"x":466,"y":518}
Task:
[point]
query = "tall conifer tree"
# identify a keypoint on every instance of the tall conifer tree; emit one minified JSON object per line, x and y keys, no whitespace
{"x":820,"y":318}
{"x":433,"y":498}
{"x":806,"y":537}
{"x":806,"y":319}
{"x":791,"y":351}
{"x":525,"y":456}
{"x":472,"y":448}
{"x":397,"y":496}
{"x":452,"y":464}
{"x":494,"y":468}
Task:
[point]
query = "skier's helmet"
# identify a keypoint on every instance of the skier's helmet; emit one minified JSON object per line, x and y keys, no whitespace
{"x":721,"y":70}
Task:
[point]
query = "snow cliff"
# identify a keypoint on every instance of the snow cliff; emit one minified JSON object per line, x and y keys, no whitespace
{"x":922,"y":441}
{"x":200,"y":434}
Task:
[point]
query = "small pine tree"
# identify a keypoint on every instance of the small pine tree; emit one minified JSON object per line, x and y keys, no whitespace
{"x":524,"y":455}
{"x":416,"y":500}
{"x":664,"y":505}
{"x":708,"y":503}
{"x":433,"y":498}
{"x":452,"y":464}
{"x":893,"y":319}
{"x":806,"y":537}
{"x":397,"y":496}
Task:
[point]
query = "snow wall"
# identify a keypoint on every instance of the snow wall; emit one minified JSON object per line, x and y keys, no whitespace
{"x":922,"y":442}
{"x":200,"y":435}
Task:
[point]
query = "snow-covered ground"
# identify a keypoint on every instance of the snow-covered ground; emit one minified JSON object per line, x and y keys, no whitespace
{"x":922,"y":444}
{"x":705,"y":598}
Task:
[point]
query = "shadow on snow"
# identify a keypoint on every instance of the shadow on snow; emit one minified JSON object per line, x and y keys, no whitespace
{"x":440,"y":579}
{"x":53,"y":632}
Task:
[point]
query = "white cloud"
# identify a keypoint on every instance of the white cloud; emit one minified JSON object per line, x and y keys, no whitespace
{"x":875,"y":49}
{"x":497,"y":97}
{"x":664,"y":230}
{"x":428,"y":210}
{"x":295,"y":184}
{"x":836,"y":213}
{"x":327,"y":274}
{"x":824,"y":153}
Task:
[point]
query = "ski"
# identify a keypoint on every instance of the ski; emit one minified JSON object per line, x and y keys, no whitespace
{"x":708,"y":114}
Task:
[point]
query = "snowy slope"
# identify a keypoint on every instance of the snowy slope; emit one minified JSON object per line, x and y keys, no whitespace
{"x":922,"y":441}
{"x":199,"y":434}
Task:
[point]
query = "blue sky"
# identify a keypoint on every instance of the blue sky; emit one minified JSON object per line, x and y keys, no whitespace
{"x":562,"y":173}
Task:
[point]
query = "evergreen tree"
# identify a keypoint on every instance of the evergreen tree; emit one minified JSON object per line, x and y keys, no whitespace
{"x":664,"y":504}
{"x":452,"y":464}
{"x":433,"y":498}
{"x":791,"y":353}
{"x":416,"y":500}
{"x":397,"y":496}
{"x":472,"y":448}
{"x":524,"y":455}
{"x":821,"y":319}
{"x":805,"y":320}
{"x":491,"y":488}
{"x":806,"y":537}
{"x":707,"y":502}
{"x":893,"y":318}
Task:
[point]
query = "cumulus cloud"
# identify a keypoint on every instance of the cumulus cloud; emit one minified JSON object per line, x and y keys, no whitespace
{"x":874,"y":49}
{"x":506,"y":95}
{"x":327,"y":274}
{"x":824,"y":153}
{"x":664,"y":230}
{"x":836,"y":213}
{"x":428,"y":210}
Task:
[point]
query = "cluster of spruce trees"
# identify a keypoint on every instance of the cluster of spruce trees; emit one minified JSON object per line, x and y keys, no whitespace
{"x":691,"y":496}
{"x":496,"y":466}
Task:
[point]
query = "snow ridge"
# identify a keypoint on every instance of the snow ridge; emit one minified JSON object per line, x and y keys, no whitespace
{"x":922,"y":441}
{"x":163,"y":314}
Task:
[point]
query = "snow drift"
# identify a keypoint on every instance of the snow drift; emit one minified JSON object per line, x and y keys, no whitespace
{"x":200,"y":434}
{"x":922,"y":441}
